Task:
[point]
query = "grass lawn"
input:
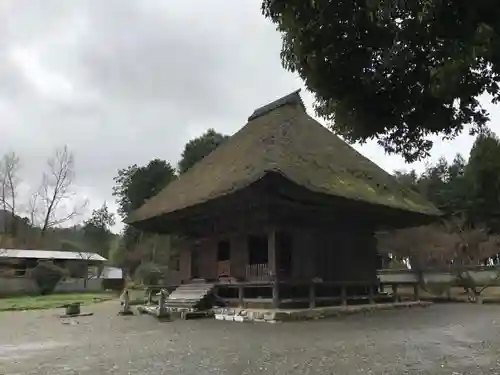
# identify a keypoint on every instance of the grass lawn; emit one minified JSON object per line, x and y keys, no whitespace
{"x":51,"y":301}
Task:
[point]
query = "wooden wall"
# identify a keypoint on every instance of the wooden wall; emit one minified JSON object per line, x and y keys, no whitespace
{"x":331,"y":256}
{"x":345,"y":256}
{"x":208,"y":256}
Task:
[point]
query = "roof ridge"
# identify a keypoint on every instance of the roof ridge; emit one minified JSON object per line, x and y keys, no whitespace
{"x":292,"y":98}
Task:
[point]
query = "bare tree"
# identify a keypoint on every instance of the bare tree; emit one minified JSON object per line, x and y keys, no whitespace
{"x":33,"y":204}
{"x":49,"y":204}
{"x":9,"y":180}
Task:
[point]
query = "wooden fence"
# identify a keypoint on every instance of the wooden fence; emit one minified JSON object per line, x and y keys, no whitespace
{"x":480,"y":275}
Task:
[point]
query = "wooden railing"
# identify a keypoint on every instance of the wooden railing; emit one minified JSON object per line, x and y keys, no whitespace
{"x":481,"y":275}
{"x":257,"y":272}
{"x":371,"y":294}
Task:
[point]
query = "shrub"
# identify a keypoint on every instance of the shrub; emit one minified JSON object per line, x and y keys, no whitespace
{"x":47,"y":275}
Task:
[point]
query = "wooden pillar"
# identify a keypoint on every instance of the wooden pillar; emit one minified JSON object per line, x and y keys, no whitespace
{"x":416,"y":292}
{"x":241,"y":296}
{"x":271,"y":254}
{"x":150,"y":296}
{"x":371,"y":297}
{"x":395,"y":292}
{"x":312,"y":295}
{"x":276,"y":294}
{"x":343,"y":295}
{"x":272,"y":266}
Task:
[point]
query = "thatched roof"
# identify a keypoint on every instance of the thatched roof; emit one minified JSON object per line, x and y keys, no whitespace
{"x":281,"y":137}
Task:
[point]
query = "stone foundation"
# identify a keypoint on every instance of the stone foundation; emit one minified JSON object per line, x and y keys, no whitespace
{"x":279,"y":315}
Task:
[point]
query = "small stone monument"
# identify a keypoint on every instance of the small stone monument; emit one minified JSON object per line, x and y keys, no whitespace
{"x":162,"y":312}
{"x":125,"y":304}
{"x":72,"y":310}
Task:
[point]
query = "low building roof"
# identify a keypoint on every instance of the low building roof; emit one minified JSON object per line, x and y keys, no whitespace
{"x":281,"y":137}
{"x":50,"y":254}
{"x":112,"y":273}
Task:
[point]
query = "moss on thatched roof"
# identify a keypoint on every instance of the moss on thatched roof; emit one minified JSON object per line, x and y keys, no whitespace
{"x":282,"y":137}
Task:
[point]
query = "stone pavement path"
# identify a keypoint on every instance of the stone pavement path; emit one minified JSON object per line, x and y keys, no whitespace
{"x":443,"y":339}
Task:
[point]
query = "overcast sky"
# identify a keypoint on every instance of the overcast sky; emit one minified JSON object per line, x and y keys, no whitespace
{"x":122,"y":82}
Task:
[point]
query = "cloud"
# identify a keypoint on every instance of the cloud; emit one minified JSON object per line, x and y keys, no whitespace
{"x":122,"y":81}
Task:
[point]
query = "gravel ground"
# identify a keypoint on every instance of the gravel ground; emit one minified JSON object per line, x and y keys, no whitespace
{"x":442,"y":339}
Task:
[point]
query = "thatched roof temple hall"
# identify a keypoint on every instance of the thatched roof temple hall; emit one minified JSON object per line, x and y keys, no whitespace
{"x":282,"y":204}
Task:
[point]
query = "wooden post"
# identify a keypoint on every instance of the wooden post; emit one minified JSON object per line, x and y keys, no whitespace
{"x":271,"y":254}
{"x":416,"y":292}
{"x":395,"y":292}
{"x":371,"y":298}
{"x":150,"y":296}
{"x":343,"y":295}
{"x":312,"y":295}
{"x":276,"y":294}
{"x":241,"y":296}
{"x":272,"y":266}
